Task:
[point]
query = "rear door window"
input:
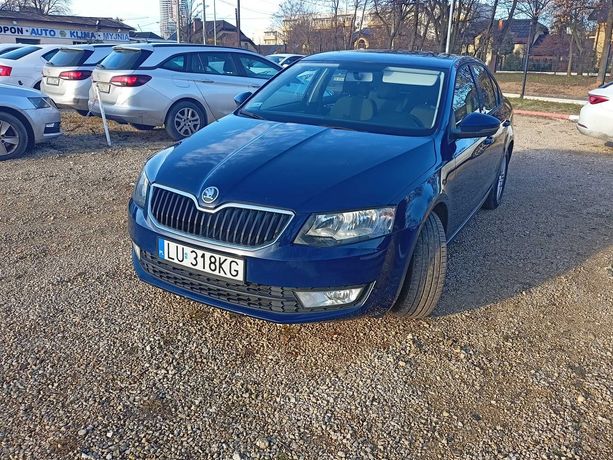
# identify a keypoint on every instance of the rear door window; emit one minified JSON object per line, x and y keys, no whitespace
{"x":124,"y":59}
{"x":69,"y":57}
{"x":213,"y":63}
{"x":465,"y":95}
{"x":255,"y":67}
{"x":176,"y":63}
{"x":20,"y":52}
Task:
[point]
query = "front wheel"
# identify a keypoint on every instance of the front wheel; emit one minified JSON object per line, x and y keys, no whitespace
{"x":13,"y":137}
{"x":184,"y":119}
{"x":494,"y":198}
{"x":423,"y":284}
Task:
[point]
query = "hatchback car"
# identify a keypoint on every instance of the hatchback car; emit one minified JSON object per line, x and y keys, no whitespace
{"x":330,"y":193}
{"x":596,"y":118}
{"x":23,"y":66}
{"x":182,"y":87}
{"x":66,"y":77}
{"x":26,"y":118}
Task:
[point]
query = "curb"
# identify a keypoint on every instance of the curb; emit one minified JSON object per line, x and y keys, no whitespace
{"x":551,"y":115}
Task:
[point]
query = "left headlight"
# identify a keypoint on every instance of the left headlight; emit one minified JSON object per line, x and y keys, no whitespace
{"x":139,"y":196}
{"x":347,"y":227}
{"x":41,"y":102}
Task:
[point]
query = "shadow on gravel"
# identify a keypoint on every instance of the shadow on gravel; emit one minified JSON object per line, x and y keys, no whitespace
{"x":556,"y":213}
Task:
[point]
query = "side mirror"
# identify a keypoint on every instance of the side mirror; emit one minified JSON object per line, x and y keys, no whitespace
{"x":476,"y":125}
{"x":242,"y":97}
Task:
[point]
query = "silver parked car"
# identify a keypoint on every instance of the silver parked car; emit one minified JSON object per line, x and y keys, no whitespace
{"x":27,"y":117}
{"x":183,"y":87}
{"x":66,"y":77}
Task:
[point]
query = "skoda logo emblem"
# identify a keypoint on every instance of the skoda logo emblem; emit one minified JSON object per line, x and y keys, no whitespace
{"x":210,"y":194}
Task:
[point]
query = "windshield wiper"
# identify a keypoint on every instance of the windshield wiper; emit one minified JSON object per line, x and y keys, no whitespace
{"x":251,"y":115}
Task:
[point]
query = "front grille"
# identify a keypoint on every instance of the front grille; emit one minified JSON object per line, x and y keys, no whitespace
{"x":252,"y":295}
{"x":232,"y":225}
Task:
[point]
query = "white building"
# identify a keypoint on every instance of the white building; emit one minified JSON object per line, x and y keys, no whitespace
{"x":34,"y":29}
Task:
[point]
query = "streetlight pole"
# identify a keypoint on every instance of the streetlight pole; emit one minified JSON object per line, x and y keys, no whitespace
{"x":448,"y":45}
{"x":203,"y":23}
{"x":214,"y":23}
{"x":178,"y":21}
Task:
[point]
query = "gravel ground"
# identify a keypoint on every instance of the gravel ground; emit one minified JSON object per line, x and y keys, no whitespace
{"x":515,"y":364}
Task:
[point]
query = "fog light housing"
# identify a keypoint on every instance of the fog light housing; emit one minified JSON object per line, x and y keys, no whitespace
{"x":332,"y":298}
{"x":136,"y":250}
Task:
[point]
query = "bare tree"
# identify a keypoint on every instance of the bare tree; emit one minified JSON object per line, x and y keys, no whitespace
{"x":608,"y":36}
{"x":570,"y":18}
{"x":534,"y":10}
{"x":39,"y":6}
{"x":356,"y":7}
{"x":392,"y":15}
{"x":294,"y":22}
{"x":499,"y":38}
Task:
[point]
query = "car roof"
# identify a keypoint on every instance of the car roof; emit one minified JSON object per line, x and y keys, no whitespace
{"x":196,"y":46}
{"x":442,"y":61}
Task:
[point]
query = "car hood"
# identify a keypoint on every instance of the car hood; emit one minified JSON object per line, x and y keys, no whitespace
{"x":300,"y":167}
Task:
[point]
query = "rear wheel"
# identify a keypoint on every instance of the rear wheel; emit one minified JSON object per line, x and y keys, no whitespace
{"x":142,"y":127}
{"x":13,"y":137}
{"x":494,"y":198}
{"x":184,"y":119}
{"x":425,"y":277}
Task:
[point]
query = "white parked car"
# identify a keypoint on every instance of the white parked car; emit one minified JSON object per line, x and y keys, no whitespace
{"x":67,"y":75}
{"x":182,"y":87}
{"x":23,"y":66}
{"x":596,"y":118}
{"x":284,"y":59}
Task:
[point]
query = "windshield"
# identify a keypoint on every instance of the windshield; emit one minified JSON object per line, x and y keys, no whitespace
{"x":371,"y":97}
{"x":69,"y":57}
{"x":20,"y":52}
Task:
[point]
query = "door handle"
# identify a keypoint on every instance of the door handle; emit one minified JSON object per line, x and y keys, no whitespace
{"x":506,"y":123}
{"x":206,"y":81}
{"x":488,"y":140}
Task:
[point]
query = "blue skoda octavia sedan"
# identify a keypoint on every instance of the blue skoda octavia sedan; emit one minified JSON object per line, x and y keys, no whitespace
{"x":332,"y":192}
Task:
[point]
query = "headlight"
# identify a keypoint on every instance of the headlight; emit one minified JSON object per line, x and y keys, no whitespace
{"x":139,"y":196}
{"x":347,"y":227}
{"x":41,"y":102}
{"x":315,"y":299}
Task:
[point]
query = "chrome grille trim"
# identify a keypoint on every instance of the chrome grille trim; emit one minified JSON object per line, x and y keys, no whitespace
{"x":217,"y":233}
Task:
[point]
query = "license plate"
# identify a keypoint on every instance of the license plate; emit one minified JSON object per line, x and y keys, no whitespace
{"x":104,"y":87}
{"x":212,"y":263}
{"x":54,"y":81}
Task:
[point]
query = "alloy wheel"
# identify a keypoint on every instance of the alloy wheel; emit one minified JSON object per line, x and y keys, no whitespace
{"x":9,"y":138}
{"x":187,"y":121}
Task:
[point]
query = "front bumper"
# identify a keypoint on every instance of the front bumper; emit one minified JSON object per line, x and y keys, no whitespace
{"x":46,"y":123}
{"x":274,"y":273}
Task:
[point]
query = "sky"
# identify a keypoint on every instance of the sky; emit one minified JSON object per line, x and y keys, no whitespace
{"x":145,"y":14}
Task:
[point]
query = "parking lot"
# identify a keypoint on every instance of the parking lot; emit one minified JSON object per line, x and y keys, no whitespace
{"x":515,"y":363}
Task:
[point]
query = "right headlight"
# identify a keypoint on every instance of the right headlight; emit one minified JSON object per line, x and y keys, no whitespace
{"x":139,"y":196}
{"x":347,"y":227}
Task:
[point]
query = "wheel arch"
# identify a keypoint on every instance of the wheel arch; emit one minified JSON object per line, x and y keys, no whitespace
{"x":191,"y":100}
{"x":21,"y":117}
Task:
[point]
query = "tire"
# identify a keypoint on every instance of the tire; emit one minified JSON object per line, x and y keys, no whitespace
{"x":425,"y":278}
{"x":14,"y":138}
{"x":142,"y":127}
{"x":494,"y":198}
{"x":178,"y":125}
{"x":83,"y":113}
